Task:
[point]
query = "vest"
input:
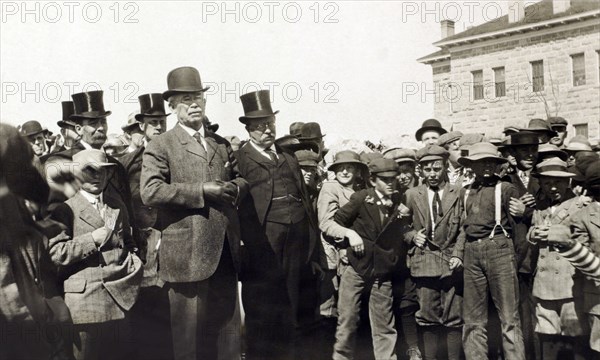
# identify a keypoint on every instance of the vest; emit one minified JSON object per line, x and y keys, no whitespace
{"x":286,"y":204}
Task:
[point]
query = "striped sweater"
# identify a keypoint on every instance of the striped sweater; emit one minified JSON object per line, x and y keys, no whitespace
{"x":584,"y":260}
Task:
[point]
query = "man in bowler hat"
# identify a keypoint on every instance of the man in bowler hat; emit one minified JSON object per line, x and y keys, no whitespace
{"x":280,"y":232}
{"x":188,"y":174}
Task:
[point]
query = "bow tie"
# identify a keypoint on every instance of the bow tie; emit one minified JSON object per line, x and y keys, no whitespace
{"x":387,"y":202}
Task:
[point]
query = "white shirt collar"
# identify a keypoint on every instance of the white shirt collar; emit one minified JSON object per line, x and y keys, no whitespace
{"x":191,"y":131}
{"x":86,"y":145}
{"x":93,"y":199}
{"x":261,"y":149}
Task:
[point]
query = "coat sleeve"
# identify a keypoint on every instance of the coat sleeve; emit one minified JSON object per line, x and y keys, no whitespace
{"x":346,"y":215}
{"x":65,"y":249}
{"x":327,"y":205}
{"x":156,"y":187}
{"x":459,"y":247}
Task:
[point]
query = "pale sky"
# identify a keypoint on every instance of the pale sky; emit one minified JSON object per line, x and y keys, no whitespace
{"x":344,"y":64}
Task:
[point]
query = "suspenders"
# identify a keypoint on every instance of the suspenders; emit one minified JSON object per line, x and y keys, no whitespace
{"x":497,"y":210}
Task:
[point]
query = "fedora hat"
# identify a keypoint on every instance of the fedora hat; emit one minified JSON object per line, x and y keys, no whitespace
{"x":553,"y":167}
{"x":292,"y":143}
{"x":430,"y":124}
{"x":579,"y":143}
{"x":400,"y":155}
{"x":481,"y":151}
{"x":132,"y":122}
{"x":256,"y":105}
{"x":311,"y":131}
{"x":346,"y":157}
{"x":523,"y":138}
{"x":68,"y":109}
{"x":32,"y":127}
{"x":540,"y":126}
{"x":90,"y":158}
{"x":551,"y":150}
{"x":185,"y":79}
{"x":296,"y":128}
{"x":89,"y":105}
{"x":151,"y":105}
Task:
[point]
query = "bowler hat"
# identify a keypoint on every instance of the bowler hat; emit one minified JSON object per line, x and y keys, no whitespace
{"x":89,"y":105}
{"x":311,"y":131}
{"x":400,"y":155}
{"x":383,"y":167}
{"x":540,"y":126}
{"x":481,"y":151}
{"x":307,"y":158}
{"x":185,"y":79}
{"x":32,"y":127}
{"x":548,"y":150}
{"x":68,"y":109}
{"x":292,"y":143}
{"x":296,"y":128}
{"x":579,"y":143}
{"x":151,"y":105}
{"x":132,"y":122}
{"x":256,"y":105}
{"x":449,"y":137}
{"x":523,"y":138}
{"x":432,"y":153}
{"x":430,"y":124}
{"x":346,"y":157}
{"x":553,"y":167}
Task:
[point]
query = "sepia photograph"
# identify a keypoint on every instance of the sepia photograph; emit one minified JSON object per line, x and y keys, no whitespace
{"x":299,"y":180}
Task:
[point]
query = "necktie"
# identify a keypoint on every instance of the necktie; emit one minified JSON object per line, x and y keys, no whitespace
{"x":436,"y":205}
{"x":524,"y":178}
{"x":271,"y":154}
{"x":200,"y":139}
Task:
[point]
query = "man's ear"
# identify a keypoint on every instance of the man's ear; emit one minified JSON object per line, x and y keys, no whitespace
{"x":79,"y":129}
{"x":142,"y":126}
{"x":372,"y":181}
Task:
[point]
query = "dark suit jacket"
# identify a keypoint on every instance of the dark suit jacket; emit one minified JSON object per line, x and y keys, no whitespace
{"x":174,"y":168}
{"x":424,"y":262}
{"x":383,"y":245}
{"x":100,"y":282}
{"x":254,"y":167}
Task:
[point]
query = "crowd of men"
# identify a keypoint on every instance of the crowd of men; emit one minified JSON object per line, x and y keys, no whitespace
{"x":131,"y":246}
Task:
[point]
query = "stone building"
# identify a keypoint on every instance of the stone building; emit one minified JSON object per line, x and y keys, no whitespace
{"x":539,"y":60}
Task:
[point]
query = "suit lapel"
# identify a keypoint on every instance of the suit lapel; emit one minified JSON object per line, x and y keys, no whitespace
{"x":373,"y":210}
{"x":422,"y":204}
{"x":189,"y":143}
{"x":448,"y":199}
{"x":87,"y":212}
{"x":595,"y":214}
{"x":211,"y":148}
{"x":254,"y":155}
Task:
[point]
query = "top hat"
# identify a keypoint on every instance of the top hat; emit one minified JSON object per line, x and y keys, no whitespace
{"x":68,"y":109}
{"x":256,"y":105}
{"x":383,"y":167}
{"x":32,"y":127}
{"x":449,"y":137}
{"x":296,"y":128}
{"x":151,"y":105}
{"x":430,"y":124}
{"x":400,"y":155}
{"x":307,"y":158}
{"x":481,"y":151}
{"x":184,"y":79}
{"x":553,"y":167}
{"x":292,"y":143}
{"x":346,"y":157}
{"x":432,"y":153}
{"x":540,"y":126}
{"x":523,"y":138}
{"x":89,"y":105}
{"x":310,"y":131}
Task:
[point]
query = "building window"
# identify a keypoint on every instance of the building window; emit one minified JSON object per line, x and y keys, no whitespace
{"x":499,"y":82}
{"x":537,"y":75}
{"x":581,"y":129}
{"x":477,"y":84}
{"x":578,"y":69}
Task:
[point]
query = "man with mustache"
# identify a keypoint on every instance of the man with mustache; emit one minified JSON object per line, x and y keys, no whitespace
{"x":280,"y":233}
{"x":150,"y":314}
{"x":187,"y":173}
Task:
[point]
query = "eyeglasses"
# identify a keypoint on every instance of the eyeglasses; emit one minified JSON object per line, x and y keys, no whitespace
{"x":262,"y":127}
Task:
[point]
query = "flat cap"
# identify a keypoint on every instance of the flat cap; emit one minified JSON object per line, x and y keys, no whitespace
{"x":383,"y":167}
{"x":307,"y":158}
{"x":449,"y":137}
{"x":400,"y":155}
{"x":431,"y":153}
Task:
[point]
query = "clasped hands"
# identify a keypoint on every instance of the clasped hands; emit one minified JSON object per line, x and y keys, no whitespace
{"x":220,"y":192}
{"x":421,"y":238}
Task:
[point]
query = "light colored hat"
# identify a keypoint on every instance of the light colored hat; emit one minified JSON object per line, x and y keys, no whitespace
{"x":579,"y":143}
{"x":553,"y":167}
{"x":400,"y":155}
{"x":481,"y":151}
{"x":90,"y":158}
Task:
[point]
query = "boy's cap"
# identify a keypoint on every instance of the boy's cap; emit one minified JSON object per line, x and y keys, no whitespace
{"x":367,"y":157}
{"x":469,"y":139}
{"x":557,"y":121}
{"x":307,"y":158}
{"x":432,"y":153}
{"x":553,"y":167}
{"x":383,"y":167}
{"x":400,"y":155}
{"x":449,"y":137}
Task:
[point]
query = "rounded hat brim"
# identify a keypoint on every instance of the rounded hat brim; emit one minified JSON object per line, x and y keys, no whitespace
{"x":89,"y":116}
{"x":386,"y":173}
{"x":130,"y":126}
{"x":167,"y":94}
{"x":419,"y":133}
{"x":62,"y":123}
{"x":139,"y":117}
{"x":302,"y":146}
{"x":335,"y":164}
{"x":312,"y":137}
{"x":554,"y":173}
{"x":244,"y":119}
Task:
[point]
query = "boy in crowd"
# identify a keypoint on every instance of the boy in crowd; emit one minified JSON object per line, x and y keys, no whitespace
{"x":489,"y":257}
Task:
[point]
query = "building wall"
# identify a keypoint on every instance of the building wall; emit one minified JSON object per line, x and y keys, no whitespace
{"x":455,"y":105}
